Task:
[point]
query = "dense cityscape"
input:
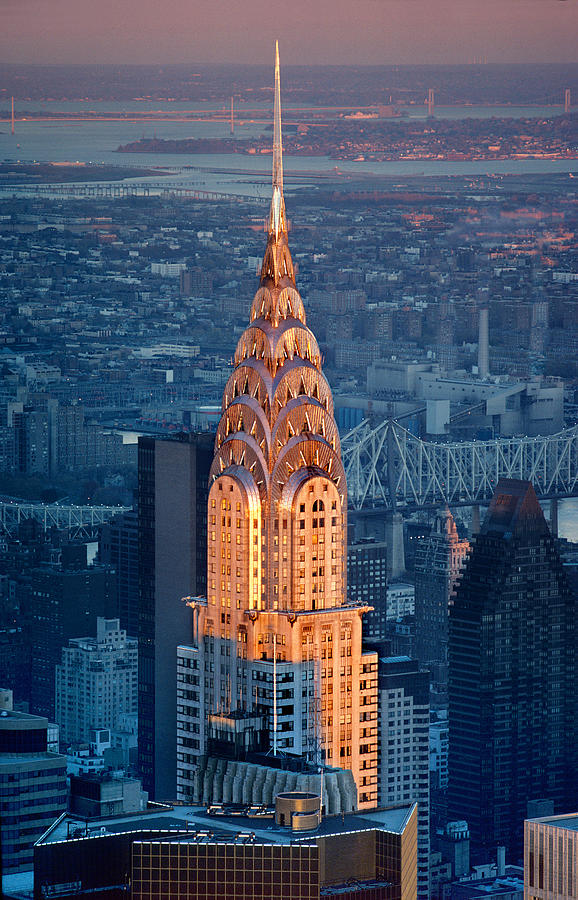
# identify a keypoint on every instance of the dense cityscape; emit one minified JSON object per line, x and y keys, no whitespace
{"x":288,"y":480}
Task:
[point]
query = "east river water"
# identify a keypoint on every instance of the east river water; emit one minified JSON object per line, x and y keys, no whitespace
{"x":97,"y":141}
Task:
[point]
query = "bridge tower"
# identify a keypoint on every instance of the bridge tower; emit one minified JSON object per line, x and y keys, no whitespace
{"x":567,"y":100}
{"x":430,"y":102}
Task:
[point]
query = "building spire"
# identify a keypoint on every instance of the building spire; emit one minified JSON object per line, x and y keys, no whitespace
{"x":277,"y":263}
{"x":277,"y":137}
{"x":277,"y":217}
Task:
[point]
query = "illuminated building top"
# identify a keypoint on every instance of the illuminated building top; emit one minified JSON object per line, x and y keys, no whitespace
{"x":276,"y":639}
{"x":277,"y":437}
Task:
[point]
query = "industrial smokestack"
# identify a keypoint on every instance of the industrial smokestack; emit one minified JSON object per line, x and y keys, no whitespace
{"x":483,"y":344}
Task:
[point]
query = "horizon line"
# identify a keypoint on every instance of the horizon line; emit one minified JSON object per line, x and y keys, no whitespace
{"x":317,"y":65}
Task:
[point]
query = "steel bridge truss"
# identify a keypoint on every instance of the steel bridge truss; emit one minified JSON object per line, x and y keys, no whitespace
{"x":82,"y":522}
{"x":388,"y":466}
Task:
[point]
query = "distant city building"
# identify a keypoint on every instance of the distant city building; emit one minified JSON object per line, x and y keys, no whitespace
{"x":61,"y":600}
{"x":96,"y":682}
{"x":367,"y":583}
{"x":507,"y":407}
{"x":414,"y":534}
{"x":511,"y":659}
{"x":168,"y":270}
{"x":438,"y":560}
{"x":32,"y":436}
{"x":393,"y":376}
{"x":118,"y":548}
{"x":404,"y":748}
{"x":507,"y":886}
{"x":401,"y":636}
{"x":84,"y":759}
{"x":400,"y":600}
{"x":105,"y":794}
{"x":32,"y":787}
{"x":172,"y":534}
{"x":438,"y":753}
{"x":454,"y":844}
{"x":43,"y":436}
{"x":124,"y":742}
{"x":15,"y":661}
{"x":196,"y":282}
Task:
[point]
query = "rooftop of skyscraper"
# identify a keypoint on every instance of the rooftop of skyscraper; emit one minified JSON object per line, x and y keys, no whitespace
{"x":568,"y":822}
{"x":194,"y":823}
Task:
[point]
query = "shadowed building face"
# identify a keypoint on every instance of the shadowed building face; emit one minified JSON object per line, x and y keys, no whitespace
{"x":512,"y":673}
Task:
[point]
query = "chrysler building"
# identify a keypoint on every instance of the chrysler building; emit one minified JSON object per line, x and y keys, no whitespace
{"x":276,"y":656}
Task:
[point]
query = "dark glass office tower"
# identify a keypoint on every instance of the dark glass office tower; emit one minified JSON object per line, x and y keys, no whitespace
{"x":119,"y":549}
{"x":61,"y":600}
{"x":438,"y":560}
{"x":512,"y":674}
{"x":172,"y":546}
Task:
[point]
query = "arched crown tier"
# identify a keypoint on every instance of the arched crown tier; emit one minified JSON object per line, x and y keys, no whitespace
{"x":245,"y":415}
{"x":243,"y":451}
{"x":304,"y":415}
{"x":277,"y":268}
{"x":305,"y":452}
{"x":277,"y":345}
{"x":276,"y":304}
{"x":298,"y":378}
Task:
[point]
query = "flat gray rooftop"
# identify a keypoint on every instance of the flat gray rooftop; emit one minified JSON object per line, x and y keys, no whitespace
{"x":190,"y":823}
{"x":568,"y":822}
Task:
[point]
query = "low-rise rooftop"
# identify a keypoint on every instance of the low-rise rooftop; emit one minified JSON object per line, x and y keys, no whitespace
{"x":196,"y":823}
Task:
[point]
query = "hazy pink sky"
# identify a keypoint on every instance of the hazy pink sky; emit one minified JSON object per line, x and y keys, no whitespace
{"x":309,"y":31}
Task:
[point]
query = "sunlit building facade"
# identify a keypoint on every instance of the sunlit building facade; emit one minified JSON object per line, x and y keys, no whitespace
{"x":276,"y":635}
{"x":551,"y":857}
